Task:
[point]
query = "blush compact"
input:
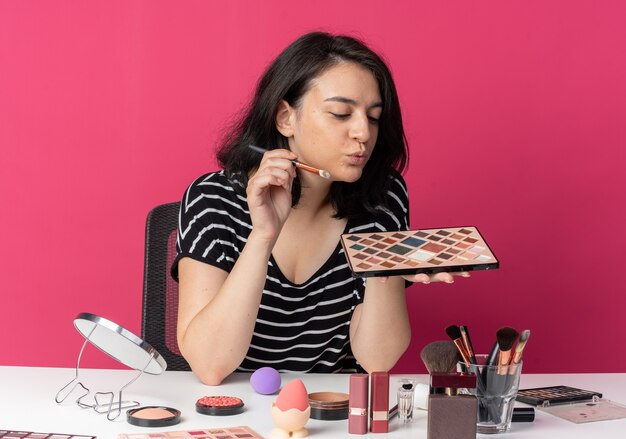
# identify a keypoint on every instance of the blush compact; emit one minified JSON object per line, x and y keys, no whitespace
{"x":153,"y":416}
{"x":219,"y":405}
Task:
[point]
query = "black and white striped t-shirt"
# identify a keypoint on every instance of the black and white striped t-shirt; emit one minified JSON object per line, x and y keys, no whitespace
{"x":299,"y":327}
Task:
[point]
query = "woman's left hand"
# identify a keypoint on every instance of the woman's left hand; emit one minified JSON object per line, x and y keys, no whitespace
{"x":437,"y":277}
{"x":428,"y":278}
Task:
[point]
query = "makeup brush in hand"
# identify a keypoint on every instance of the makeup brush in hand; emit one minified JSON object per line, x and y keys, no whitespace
{"x":440,"y":356}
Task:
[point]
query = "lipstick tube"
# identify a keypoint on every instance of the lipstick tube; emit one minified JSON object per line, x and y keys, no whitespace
{"x":359,"y":392}
{"x":380,"y":402}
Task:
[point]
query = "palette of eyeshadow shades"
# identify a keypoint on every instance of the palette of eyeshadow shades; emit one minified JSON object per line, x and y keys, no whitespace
{"x":211,"y":433}
{"x":14,"y":434}
{"x":417,"y":251}
{"x":545,"y":396}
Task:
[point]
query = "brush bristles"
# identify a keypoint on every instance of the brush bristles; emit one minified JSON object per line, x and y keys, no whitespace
{"x":506,"y":337}
{"x":453,"y":332}
{"x":440,"y":356}
{"x":525,"y":335}
{"x":522,"y":341}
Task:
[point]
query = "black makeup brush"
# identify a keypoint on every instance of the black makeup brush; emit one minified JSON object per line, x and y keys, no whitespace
{"x":440,"y":356}
{"x":506,"y":337}
{"x":454,"y":332}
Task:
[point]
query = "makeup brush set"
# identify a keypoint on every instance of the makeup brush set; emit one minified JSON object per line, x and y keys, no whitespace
{"x":472,"y":393}
{"x":497,"y":374}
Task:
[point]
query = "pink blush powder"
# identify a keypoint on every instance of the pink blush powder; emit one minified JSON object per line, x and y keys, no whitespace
{"x":153,"y":413}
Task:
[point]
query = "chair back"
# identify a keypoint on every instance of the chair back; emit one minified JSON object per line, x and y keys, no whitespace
{"x":160,"y":291}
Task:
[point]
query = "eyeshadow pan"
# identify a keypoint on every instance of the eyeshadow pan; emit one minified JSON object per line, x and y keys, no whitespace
{"x":455,"y":236}
{"x":454,"y":251}
{"x":367,"y":242}
{"x":435,"y":262}
{"x":421,"y":255}
{"x":388,"y":264}
{"x":462,"y":245}
{"x":383,"y":255}
{"x":354,"y":238}
{"x":399,"y":249}
{"x":380,"y":245}
{"x":445,"y":256}
{"x":470,"y":240}
{"x":397,"y":259}
{"x":357,"y":247}
{"x":465,"y":231}
{"x":374,"y":260}
{"x":377,"y":237}
{"x":447,"y":242}
{"x":443,"y":233}
{"x":390,"y":240}
{"x":364,"y":266}
{"x":435,"y":238}
{"x":360,"y":256}
{"x":371,"y":251}
{"x":432,"y":247}
{"x":412,"y":263}
{"x":413,"y":242}
{"x":421,"y":234}
{"x":398,"y":235}
{"x":483,"y":258}
{"x":477,"y":249}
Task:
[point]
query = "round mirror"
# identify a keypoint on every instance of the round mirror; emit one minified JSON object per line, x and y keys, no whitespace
{"x":120,"y":344}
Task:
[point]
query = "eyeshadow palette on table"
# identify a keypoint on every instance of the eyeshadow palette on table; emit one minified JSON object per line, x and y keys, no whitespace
{"x":15,"y":434}
{"x":242,"y":432}
{"x":417,"y":251}
{"x":545,"y":396}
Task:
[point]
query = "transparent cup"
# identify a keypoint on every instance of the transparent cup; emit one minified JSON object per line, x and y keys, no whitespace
{"x":496,"y":389}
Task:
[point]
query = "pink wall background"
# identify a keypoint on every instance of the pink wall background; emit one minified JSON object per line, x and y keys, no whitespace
{"x":515,"y":112}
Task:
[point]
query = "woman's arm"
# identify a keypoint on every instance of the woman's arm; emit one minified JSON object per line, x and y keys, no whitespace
{"x":379,"y":330}
{"x":217,"y":310}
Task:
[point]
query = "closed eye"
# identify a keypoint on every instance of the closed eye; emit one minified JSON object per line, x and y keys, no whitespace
{"x":341,"y":115}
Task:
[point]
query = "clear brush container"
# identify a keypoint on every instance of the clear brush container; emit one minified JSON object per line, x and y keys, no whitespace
{"x":496,"y":389}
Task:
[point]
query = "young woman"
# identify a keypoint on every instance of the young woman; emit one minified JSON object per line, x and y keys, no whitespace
{"x":263,"y":278}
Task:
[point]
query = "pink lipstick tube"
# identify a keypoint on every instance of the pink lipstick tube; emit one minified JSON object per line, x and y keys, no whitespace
{"x":359,"y":392}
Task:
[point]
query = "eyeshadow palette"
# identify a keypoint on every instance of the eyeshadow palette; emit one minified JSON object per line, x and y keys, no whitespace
{"x":211,"y":433}
{"x":417,"y":251}
{"x":545,"y":396}
{"x":14,"y":434}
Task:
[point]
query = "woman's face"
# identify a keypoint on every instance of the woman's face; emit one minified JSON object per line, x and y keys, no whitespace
{"x":336,"y":124}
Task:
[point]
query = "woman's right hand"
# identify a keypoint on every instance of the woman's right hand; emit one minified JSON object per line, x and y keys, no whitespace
{"x":269,"y":193}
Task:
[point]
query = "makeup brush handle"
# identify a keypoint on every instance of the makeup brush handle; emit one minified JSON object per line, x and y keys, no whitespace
{"x":491,"y":361}
{"x":493,"y":355}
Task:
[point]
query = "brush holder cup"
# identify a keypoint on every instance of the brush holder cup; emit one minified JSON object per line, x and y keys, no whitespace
{"x":496,"y":389}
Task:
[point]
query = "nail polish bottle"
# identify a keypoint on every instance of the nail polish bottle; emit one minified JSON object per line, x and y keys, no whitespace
{"x":450,"y":414}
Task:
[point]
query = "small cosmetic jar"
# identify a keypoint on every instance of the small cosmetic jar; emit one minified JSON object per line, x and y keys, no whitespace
{"x":329,"y":406}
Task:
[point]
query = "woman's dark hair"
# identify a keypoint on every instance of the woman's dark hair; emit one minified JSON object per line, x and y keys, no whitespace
{"x":288,"y":78}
